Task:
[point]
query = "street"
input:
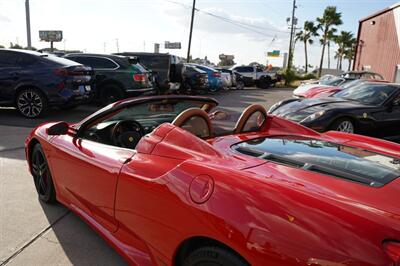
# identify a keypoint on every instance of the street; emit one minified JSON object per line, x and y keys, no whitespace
{"x":33,"y":233}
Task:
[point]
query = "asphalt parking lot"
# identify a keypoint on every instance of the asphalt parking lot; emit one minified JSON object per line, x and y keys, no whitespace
{"x":32,"y":233}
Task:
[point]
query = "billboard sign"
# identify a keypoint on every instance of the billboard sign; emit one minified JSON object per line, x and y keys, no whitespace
{"x":274,"y":53}
{"x":172,"y":45}
{"x":226,"y":57}
{"x":51,"y":35}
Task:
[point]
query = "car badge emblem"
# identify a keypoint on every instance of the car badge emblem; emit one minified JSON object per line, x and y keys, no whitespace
{"x":130,"y":139}
{"x":365,"y":115}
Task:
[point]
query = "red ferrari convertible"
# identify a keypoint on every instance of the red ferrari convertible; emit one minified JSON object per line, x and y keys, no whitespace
{"x":165,"y":182}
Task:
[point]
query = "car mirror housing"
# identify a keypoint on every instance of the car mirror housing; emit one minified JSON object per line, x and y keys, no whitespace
{"x":60,"y":128}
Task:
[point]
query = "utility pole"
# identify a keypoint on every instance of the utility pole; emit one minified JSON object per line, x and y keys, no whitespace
{"x":292,"y":28}
{"x":191,"y":30}
{"x":116,"y":40}
{"x":28,"y":25}
{"x":104,"y":47}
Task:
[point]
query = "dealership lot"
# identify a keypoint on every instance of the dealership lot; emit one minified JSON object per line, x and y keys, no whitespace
{"x":35,"y":233}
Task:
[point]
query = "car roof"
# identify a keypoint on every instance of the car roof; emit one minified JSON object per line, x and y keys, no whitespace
{"x":112,"y":56}
{"x":22,"y":51}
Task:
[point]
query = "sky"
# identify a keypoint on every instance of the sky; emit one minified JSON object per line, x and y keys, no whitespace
{"x":247,"y":29}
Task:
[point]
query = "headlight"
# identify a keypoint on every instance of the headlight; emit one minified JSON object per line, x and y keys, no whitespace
{"x":313,"y":116}
{"x":274,"y":107}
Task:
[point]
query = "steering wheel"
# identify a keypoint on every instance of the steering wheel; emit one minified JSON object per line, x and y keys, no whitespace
{"x":127,"y":133}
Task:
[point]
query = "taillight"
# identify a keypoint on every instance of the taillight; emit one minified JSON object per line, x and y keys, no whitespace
{"x":392,"y":249}
{"x":139,"y":77}
{"x":62,"y":72}
{"x":216,"y":74}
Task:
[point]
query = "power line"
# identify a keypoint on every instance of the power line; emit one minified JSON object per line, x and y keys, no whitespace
{"x":243,"y":25}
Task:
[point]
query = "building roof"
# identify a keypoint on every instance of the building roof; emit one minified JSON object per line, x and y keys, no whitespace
{"x":394,"y":6}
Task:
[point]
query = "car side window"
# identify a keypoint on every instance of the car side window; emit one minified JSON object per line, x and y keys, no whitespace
{"x":8,"y":59}
{"x":24,"y":60}
{"x":96,"y":62}
{"x":396,"y":101}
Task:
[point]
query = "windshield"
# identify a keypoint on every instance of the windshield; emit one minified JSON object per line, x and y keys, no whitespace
{"x":333,"y":81}
{"x":351,"y":83}
{"x":325,"y":157}
{"x":373,"y":94}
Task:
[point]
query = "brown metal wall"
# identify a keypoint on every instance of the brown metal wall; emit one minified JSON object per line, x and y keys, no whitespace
{"x":378,"y":45}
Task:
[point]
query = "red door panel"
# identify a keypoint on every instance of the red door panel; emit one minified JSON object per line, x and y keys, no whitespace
{"x":86,"y":175}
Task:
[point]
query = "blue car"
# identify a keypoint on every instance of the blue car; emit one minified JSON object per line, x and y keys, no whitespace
{"x":214,"y":77}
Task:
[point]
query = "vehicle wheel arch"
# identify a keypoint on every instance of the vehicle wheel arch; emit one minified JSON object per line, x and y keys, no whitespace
{"x":189,"y":245}
{"x":22,"y":87}
{"x":348,"y":117}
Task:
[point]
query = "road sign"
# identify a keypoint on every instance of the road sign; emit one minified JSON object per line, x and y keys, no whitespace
{"x":51,"y":35}
{"x":172,"y":45}
{"x":274,"y":53}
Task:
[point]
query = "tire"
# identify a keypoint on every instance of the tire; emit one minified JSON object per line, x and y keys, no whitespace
{"x":343,"y":125}
{"x":110,"y":94}
{"x":264,"y":82}
{"x":240,"y":85}
{"x":31,"y":103}
{"x":213,"y":256}
{"x":42,"y":176}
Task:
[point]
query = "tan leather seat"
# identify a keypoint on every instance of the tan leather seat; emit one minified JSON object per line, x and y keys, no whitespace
{"x":196,"y":121}
{"x":246,"y":115}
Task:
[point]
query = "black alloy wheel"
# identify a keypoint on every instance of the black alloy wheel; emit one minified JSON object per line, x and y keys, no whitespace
{"x":31,"y":103}
{"x":42,"y":176}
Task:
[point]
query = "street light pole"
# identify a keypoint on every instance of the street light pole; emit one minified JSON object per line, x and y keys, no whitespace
{"x":191,"y":29}
{"x":28,"y":24}
{"x":290,"y":60}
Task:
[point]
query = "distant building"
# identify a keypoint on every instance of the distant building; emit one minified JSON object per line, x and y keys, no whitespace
{"x":378,"y":43}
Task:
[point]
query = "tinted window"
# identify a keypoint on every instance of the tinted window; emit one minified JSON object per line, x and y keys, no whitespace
{"x":325,"y":157}
{"x":96,"y":62}
{"x":373,"y":94}
{"x":8,"y":59}
{"x":244,"y":69}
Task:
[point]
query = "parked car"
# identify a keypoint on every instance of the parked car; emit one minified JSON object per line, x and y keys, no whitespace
{"x":33,"y":82}
{"x":369,"y":108}
{"x":194,"y":80}
{"x":326,"y":83}
{"x":214,"y":77}
{"x":116,"y":77}
{"x":320,"y":92}
{"x":150,"y":175}
{"x":362,"y":75}
{"x":228,"y":78}
{"x":257,"y":76}
{"x":163,"y":67}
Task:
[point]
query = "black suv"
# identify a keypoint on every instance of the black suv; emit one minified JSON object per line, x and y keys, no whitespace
{"x":32,"y":82}
{"x":116,"y":77}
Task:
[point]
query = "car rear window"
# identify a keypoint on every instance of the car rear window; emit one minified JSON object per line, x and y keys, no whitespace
{"x":328,"y":158}
{"x":58,"y":60}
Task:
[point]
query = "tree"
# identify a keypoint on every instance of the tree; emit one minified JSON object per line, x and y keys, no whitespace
{"x":331,"y":37}
{"x":329,"y":19}
{"x":15,"y":46}
{"x":309,"y":31}
{"x":344,"y":41}
{"x":349,"y":52}
{"x":1,"y":46}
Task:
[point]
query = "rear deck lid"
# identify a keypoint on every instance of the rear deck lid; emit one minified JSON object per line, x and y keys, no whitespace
{"x":327,"y":158}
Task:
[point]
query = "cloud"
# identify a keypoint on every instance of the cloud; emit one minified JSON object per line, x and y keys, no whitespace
{"x":4,"y":19}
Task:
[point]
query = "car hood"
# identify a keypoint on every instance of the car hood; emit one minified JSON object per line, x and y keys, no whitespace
{"x":305,"y":87}
{"x":299,"y":109}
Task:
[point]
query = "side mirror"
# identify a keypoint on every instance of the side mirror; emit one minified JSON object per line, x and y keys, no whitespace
{"x":60,"y":128}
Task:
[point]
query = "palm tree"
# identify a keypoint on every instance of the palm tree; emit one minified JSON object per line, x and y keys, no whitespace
{"x":329,"y":19}
{"x":349,"y":52}
{"x":331,"y":37}
{"x":309,"y":31}
{"x":343,"y":40}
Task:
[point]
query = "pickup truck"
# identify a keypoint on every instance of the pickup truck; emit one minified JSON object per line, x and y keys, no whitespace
{"x":254,"y":75}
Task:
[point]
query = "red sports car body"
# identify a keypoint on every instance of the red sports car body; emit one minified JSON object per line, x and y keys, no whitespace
{"x":163,"y":189}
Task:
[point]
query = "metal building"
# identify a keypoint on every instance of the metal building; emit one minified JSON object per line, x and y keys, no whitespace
{"x":378,"y":43}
